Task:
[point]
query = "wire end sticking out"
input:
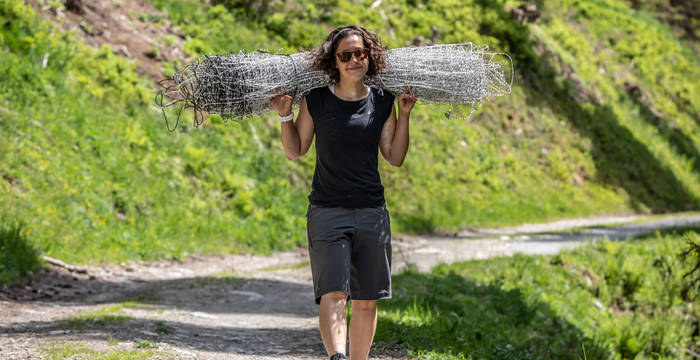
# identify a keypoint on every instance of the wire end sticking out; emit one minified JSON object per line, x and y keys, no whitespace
{"x":448,"y":113}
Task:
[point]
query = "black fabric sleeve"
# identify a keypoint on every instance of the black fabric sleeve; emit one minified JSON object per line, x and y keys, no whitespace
{"x":387,"y":103}
{"x":310,"y":103}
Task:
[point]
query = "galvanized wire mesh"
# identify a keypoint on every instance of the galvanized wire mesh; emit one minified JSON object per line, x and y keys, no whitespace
{"x":454,"y":73}
{"x":239,"y":85}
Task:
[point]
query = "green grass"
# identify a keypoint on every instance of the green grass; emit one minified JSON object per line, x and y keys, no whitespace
{"x":67,"y":350}
{"x":142,"y":299}
{"x":299,"y":265}
{"x":522,"y":159}
{"x":87,"y":165}
{"x":145,"y":344}
{"x":162,"y":328}
{"x":227,"y":274}
{"x":661,"y":113}
{"x":18,"y":256}
{"x":619,"y":300}
{"x":105,"y":316}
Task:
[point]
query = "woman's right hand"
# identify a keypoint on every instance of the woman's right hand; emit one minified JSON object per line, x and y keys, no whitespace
{"x":282,"y":103}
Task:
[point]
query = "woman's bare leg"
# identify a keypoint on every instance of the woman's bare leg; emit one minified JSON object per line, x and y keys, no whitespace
{"x":331,"y":321}
{"x":363,"y":323}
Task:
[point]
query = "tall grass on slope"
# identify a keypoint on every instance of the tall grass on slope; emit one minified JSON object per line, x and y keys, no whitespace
{"x":512,"y":163}
{"x":618,"y":300}
{"x":634,"y":66}
{"x":569,"y":141}
{"x":86,"y":163}
{"x":89,"y":167}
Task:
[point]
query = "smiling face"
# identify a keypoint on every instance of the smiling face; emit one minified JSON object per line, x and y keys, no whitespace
{"x":354,"y":69}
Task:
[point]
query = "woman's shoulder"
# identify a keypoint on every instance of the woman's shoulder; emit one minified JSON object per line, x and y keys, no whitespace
{"x":314,"y":98}
{"x":382,"y":94}
{"x":318,"y":90}
{"x":315,"y":93}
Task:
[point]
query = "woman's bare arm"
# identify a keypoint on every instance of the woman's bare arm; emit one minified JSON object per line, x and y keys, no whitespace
{"x":393,"y":142}
{"x":298,"y":134}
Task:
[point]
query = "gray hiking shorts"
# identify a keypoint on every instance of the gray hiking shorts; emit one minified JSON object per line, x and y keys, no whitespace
{"x":350,"y":251}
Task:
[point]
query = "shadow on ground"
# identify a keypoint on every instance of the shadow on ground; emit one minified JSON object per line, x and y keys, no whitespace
{"x":220,"y":314}
{"x":227,"y":339}
{"x":208,"y":294}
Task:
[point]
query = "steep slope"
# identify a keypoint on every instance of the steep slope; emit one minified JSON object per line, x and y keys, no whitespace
{"x":87,"y":164}
{"x":599,"y":120}
{"x":602,"y":119}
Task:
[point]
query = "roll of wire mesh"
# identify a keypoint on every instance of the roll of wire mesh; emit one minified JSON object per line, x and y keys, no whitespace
{"x":238,"y":86}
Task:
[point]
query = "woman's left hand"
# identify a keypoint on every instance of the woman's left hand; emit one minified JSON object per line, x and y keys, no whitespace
{"x":406,"y":101}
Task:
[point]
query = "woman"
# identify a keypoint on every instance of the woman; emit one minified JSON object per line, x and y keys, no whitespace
{"x":347,"y":221}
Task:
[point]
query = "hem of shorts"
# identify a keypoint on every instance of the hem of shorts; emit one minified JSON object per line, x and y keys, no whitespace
{"x":317,"y":299}
{"x":372,"y":297}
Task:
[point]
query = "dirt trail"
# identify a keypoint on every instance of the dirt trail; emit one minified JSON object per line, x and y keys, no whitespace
{"x":240,"y":306}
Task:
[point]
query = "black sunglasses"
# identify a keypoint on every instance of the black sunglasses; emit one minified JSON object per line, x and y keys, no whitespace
{"x":345,"y":56}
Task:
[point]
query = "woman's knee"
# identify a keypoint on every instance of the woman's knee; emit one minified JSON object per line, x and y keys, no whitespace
{"x":364,"y":305}
{"x":334,"y":296}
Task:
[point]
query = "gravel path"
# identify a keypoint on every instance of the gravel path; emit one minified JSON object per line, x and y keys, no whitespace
{"x":241,"y":306}
{"x":547,"y":238}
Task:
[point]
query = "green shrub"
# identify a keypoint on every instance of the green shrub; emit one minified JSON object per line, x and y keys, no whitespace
{"x":621,"y":300}
{"x":18,"y":256}
{"x":691,"y":254}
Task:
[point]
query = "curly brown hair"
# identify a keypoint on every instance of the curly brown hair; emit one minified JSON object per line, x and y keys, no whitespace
{"x":324,"y":55}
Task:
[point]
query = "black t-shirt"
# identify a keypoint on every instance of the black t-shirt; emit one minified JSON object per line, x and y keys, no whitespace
{"x":347,"y":144}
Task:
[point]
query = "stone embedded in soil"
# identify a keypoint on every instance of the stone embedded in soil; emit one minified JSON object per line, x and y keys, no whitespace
{"x":204,"y":315}
{"x":235,"y":349}
{"x":59,"y":332}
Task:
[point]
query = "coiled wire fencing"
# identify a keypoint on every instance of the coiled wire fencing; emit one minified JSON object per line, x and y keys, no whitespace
{"x":238,"y":86}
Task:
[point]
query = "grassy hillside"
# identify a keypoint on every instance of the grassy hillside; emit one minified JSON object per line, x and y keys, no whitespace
{"x":603,"y":118}
{"x":87,"y":164}
{"x":574,"y":138}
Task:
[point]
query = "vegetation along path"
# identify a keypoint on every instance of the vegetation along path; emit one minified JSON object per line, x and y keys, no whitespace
{"x":239,"y":306}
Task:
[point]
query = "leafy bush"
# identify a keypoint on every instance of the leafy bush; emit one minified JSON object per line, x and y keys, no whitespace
{"x":692,"y":255}
{"x":18,"y":256}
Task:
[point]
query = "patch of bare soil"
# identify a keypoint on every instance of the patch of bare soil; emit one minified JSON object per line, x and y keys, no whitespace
{"x":134,"y":29}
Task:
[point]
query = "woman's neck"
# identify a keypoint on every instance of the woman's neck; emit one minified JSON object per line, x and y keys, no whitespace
{"x":351,"y":90}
